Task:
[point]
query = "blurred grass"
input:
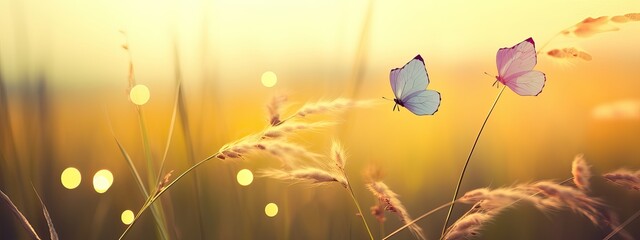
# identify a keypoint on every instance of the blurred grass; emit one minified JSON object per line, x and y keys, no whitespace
{"x":418,"y":158}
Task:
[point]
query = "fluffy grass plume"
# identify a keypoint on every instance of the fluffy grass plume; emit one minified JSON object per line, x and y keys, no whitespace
{"x":581,"y":173}
{"x":273,"y":109}
{"x":625,"y":178}
{"x":574,"y":199}
{"x":336,"y":105}
{"x":569,"y":53}
{"x":309,"y":174}
{"x":468,"y":226}
{"x":391,"y":203}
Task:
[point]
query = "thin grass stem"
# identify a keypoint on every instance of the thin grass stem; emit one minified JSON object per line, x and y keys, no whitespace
{"x":464,"y":169}
{"x":624,"y":224}
{"x":153,"y":198}
{"x":353,"y":196}
{"x":417,"y":219}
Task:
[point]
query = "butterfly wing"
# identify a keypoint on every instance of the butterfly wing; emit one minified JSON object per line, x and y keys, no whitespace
{"x":529,"y":83}
{"x":423,"y":102}
{"x":412,"y":77}
{"x":515,"y":68}
{"x":519,"y":58}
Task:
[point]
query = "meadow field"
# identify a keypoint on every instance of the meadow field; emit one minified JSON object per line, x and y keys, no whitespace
{"x":217,"y":119}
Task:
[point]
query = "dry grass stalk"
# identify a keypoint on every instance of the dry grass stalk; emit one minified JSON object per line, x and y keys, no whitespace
{"x":574,"y":199}
{"x":309,"y":174}
{"x":581,"y":173}
{"x":569,"y":53}
{"x":339,"y":104}
{"x":377,"y":211}
{"x":290,"y":154}
{"x":543,"y":195}
{"x":23,"y":220}
{"x":273,"y":109}
{"x":282,"y":130}
{"x":626,"y":18}
{"x":391,"y":203}
{"x":489,"y":200}
{"x":633,"y":16}
{"x":53,"y":235}
{"x":468,"y":226}
{"x":338,"y":155}
{"x":625,"y":178}
{"x":238,"y":149}
{"x":164,"y":181}
{"x":591,"y":26}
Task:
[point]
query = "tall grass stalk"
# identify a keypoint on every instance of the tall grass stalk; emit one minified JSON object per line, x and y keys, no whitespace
{"x":53,"y":235}
{"x":353,"y":197}
{"x":181,"y":107}
{"x":130,"y":164}
{"x":406,"y":225}
{"x":23,"y":220}
{"x":464,"y":169}
{"x":161,"y":191}
{"x":157,"y":211}
{"x":624,"y":224}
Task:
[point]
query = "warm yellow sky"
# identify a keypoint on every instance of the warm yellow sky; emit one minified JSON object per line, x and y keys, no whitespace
{"x":78,"y":41}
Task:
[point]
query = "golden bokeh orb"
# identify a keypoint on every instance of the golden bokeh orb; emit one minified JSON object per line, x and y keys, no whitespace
{"x":102,"y":180}
{"x":269,"y":79}
{"x":139,"y":94}
{"x":71,"y":178}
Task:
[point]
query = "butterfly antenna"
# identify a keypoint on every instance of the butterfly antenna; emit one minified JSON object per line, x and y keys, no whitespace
{"x":494,"y":83}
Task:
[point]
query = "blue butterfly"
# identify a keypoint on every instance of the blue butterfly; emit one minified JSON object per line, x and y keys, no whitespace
{"x":409,"y":85}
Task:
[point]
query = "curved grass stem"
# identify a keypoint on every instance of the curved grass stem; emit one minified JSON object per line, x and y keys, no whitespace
{"x":353,"y":196}
{"x":157,"y":195}
{"x":417,"y":219}
{"x":464,"y":169}
{"x":624,"y":224}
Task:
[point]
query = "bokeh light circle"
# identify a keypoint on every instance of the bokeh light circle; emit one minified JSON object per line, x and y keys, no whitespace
{"x":102,"y":181}
{"x":70,"y":178}
{"x":139,"y":94}
{"x":244,"y":177}
{"x":269,"y":79}
{"x":271,"y":210}
{"x":127,"y":217}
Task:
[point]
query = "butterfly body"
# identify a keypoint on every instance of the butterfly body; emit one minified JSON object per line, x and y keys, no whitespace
{"x":398,"y":102}
{"x":409,"y":85}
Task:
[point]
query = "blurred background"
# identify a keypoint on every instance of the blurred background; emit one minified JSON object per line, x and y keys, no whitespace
{"x":64,"y":87}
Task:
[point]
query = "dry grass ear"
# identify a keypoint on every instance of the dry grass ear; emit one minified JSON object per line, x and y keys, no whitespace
{"x":581,"y":173}
{"x":338,"y":155}
{"x":624,"y":178}
{"x":591,"y":26}
{"x":309,"y":174}
{"x":23,"y":220}
{"x":372,"y":173}
{"x":273,"y":109}
{"x":391,"y":203}
{"x":569,"y":54}
{"x":468,"y":226}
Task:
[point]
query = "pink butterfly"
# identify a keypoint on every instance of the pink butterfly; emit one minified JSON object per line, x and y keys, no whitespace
{"x":515,"y":69}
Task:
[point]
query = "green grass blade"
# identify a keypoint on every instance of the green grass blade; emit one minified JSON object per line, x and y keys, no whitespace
{"x":132,"y":167}
{"x":158,"y":213}
{"x":180,"y":105}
